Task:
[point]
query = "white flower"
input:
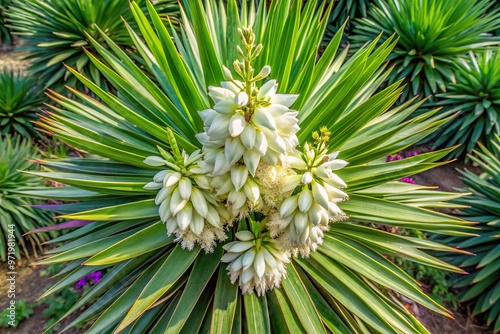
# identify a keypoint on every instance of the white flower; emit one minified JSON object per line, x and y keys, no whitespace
{"x":254,"y":127}
{"x":256,"y":263}
{"x":186,"y":202}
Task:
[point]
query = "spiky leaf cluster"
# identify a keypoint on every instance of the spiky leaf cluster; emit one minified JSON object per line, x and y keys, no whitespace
{"x":14,"y":209}
{"x":433,"y":35}
{"x":5,"y":34}
{"x":151,"y":282}
{"x":475,"y":96}
{"x":20,"y":100}
{"x":346,"y":10}
{"x":57,"y":33}
{"x":482,"y":205}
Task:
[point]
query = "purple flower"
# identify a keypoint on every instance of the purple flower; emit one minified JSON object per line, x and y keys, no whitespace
{"x":399,"y":156}
{"x":91,"y":278}
{"x":408,"y":180}
{"x":81,"y":283}
{"x":95,"y":276}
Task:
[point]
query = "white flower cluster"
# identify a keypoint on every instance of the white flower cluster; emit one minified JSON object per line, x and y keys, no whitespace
{"x":250,"y":172}
{"x":258,"y":263}
{"x":188,"y":205}
{"x":242,"y":132}
{"x":307,"y":214}
{"x":251,"y":128}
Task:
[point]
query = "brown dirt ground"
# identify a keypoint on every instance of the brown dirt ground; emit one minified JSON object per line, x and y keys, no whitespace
{"x":29,"y":286}
{"x":13,"y":60}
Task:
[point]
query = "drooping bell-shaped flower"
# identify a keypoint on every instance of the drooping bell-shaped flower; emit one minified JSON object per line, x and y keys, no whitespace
{"x":257,"y":263}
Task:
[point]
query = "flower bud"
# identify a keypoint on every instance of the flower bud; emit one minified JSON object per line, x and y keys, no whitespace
{"x":184,"y":216}
{"x":288,"y":206}
{"x":320,"y":195}
{"x":244,"y":235}
{"x":153,"y":186}
{"x":239,"y":175}
{"x":237,"y":124}
{"x":197,"y":224}
{"x":227,"y":73}
{"x":305,"y":200}
{"x":251,"y":190}
{"x":155,"y":161}
{"x":264,"y":72}
{"x":307,"y":178}
{"x":248,"y":137}
{"x":185,"y":187}
{"x":199,"y":202}
{"x":171,"y":179}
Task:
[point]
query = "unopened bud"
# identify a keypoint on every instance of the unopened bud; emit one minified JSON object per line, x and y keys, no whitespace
{"x":237,"y":68}
{"x":240,"y":51}
{"x":263,"y":73}
{"x":242,"y":36}
{"x":257,"y":51}
{"x":227,"y":73}
{"x":307,"y":178}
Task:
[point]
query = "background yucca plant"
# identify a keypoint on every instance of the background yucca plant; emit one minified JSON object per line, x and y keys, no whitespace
{"x":481,"y":285}
{"x":496,"y":6}
{"x":433,"y":35}
{"x":20,"y":100}
{"x":55,"y":34}
{"x":343,"y":10}
{"x":476,"y":97}
{"x":14,"y":155}
{"x":5,"y":35}
{"x":151,"y":283}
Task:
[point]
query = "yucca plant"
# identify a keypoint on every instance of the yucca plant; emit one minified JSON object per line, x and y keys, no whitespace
{"x":434,"y":34}
{"x":17,"y":216}
{"x":346,"y":10}
{"x":184,"y":188}
{"x":481,"y":285}
{"x":57,"y":32}
{"x":20,"y":100}
{"x":5,"y":35}
{"x":496,"y":6}
{"x":476,"y":97}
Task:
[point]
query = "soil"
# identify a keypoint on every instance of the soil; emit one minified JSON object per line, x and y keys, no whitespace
{"x":447,"y":177}
{"x":13,"y":60}
{"x":461,"y":324}
{"x":29,"y":285}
